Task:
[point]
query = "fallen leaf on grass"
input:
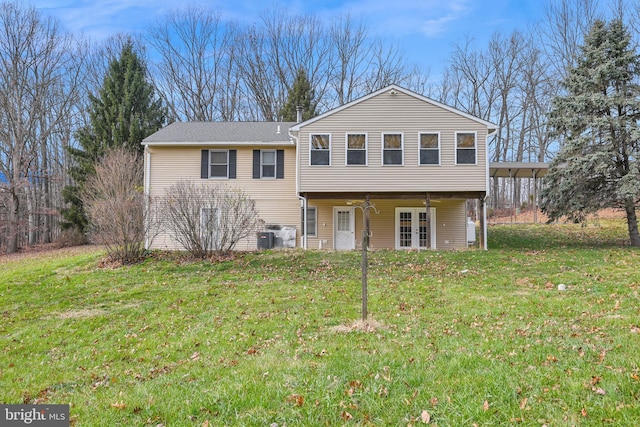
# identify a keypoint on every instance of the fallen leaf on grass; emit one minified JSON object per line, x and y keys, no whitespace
{"x":584,"y":412}
{"x":119,"y":405}
{"x":425,"y":417}
{"x":296,"y":399}
{"x":523,"y":403}
{"x":346,"y":416}
{"x":485,"y":405}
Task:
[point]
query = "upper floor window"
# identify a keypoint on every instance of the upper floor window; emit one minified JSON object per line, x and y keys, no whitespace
{"x":268,"y":164}
{"x":466,"y":148}
{"x":320,"y":149}
{"x":356,"y":149}
{"x":429,"y":149}
{"x":218,"y":164}
{"x":392,"y":146}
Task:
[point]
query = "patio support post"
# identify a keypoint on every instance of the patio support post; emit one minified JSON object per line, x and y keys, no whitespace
{"x":535,"y":196}
{"x":427,"y":204}
{"x":483,"y":223}
{"x":365,"y":262}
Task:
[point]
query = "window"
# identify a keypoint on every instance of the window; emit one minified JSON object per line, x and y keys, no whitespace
{"x":429,"y":149}
{"x":320,"y":149}
{"x":312,"y":229}
{"x":268,"y":164}
{"x":356,"y":149}
{"x":465,"y":148}
{"x":218,"y":164}
{"x":392,"y":149}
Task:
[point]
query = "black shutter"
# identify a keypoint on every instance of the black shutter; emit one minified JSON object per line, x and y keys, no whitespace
{"x":280,"y":164}
{"x":204,"y":165}
{"x":256,"y":164}
{"x":232,"y":164}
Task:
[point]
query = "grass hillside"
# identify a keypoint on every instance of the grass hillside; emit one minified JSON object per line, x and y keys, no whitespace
{"x":454,"y":339}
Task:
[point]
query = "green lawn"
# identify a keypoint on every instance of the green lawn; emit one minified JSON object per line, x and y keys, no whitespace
{"x":461,"y":338}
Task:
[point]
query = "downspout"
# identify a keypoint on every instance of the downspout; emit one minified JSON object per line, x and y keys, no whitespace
{"x":484,"y":215}
{"x":303,"y":240}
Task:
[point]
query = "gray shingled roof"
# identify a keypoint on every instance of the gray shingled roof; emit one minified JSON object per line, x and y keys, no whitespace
{"x":246,"y":133}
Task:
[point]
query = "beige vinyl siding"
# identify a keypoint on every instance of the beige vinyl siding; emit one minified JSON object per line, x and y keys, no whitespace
{"x":276,"y":199}
{"x":450,"y":223}
{"x":398,"y":113}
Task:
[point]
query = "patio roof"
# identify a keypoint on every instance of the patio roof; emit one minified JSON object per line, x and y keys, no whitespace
{"x":518,"y":169}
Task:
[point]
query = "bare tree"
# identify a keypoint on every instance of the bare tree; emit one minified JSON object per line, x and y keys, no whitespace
{"x":38,"y":85}
{"x":270,"y":55}
{"x":208,"y":219}
{"x":119,"y":213}
{"x":192,"y":73}
{"x":565,"y":24}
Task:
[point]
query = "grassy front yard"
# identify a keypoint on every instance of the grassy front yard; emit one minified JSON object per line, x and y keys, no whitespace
{"x":458,"y":338}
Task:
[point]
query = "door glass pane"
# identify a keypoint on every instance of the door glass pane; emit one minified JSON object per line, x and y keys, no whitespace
{"x":405,"y":230}
{"x":344,"y":220}
{"x":422,"y":229}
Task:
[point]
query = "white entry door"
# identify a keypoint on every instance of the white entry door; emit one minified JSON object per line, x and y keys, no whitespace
{"x":411,"y":228}
{"x":344,"y":228}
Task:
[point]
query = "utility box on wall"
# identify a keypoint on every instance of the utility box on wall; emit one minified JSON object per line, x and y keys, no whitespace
{"x":283,"y":236}
{"x":265,"y":240}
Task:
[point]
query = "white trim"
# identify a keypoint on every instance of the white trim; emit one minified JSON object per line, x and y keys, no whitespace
{"x":275,"y":164}
{"x":415,"y":224}
{"x":221,"y":143}
{"x":209,"y":164}
{"x":475,"y":148}
{"x":382,"y":147}
{"x":420,"y":133}
{"x":311,"y":147}
{"x":366,"y":149}
{"x":352,"y":226}
{"x":305,"y":218}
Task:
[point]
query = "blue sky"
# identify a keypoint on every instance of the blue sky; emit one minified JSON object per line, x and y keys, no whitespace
{"x":426,"y":30}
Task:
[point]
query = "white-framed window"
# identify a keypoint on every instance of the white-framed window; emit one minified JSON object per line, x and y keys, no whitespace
{"x":356,"y":149}
{"x":429,"y":148}
{"x":267,"y":163}
{"x":320,"y":150}
{"x":392,"y":148}
{"x":218,"y":163}
{"x":466,"y":151}
{"x":312,"y":227}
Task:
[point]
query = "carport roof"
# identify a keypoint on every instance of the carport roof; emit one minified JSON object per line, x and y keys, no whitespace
{"x":518,"y":169}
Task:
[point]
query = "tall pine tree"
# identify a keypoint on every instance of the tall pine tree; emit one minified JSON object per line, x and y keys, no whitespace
{"x":125,"y":112}
{"x":598,"y":164}
{"x":300,"y":95}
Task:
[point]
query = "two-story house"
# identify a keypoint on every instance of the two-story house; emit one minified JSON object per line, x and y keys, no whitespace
{"x":415,"y":160}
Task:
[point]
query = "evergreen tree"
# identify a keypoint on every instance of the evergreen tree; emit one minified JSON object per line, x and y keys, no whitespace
{"x":598,"y":163}
{"x":301,"y":95}
{"x":125,"y":112}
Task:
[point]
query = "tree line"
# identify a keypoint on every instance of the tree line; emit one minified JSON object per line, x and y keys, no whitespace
{"x":55,"y":108}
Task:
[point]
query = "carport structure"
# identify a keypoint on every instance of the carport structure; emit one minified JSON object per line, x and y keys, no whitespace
{"x":513,"y":170}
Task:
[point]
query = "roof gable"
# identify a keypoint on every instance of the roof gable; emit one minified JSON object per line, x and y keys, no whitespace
{"x":392,"y":89}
